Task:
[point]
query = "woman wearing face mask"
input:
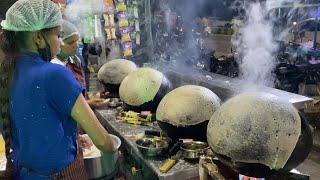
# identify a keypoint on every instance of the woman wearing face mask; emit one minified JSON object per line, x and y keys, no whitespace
{"x":40,"y":122}
{"x":67,"y":57}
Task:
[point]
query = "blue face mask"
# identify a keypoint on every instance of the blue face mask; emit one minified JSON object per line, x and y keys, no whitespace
{"x":45,"y":52}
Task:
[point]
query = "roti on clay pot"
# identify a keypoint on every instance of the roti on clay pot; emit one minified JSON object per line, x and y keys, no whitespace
{"x":185,"y":112}
{"x":143,"y":89}
{"x":112,"y":73}
{"x":258,"y":129}
{"x":188,"y":105}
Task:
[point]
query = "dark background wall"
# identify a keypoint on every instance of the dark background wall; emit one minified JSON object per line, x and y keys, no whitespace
{"x":199,"y":8}
{"x":4,"y":6}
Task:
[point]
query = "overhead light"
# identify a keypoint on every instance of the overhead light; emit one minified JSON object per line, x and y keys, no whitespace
{"x":294,"y":23}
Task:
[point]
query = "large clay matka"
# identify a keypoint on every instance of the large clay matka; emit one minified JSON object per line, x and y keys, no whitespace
{"x":255,"y":128}
{"x":188,"y":105}
{"x":113,"y":72}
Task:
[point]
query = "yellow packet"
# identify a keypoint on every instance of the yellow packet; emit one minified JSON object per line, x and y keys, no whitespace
{"x":128,"y":53}
{"x":125,"y":38}
{"x":123,"y":23}
{"x":121,"y":7}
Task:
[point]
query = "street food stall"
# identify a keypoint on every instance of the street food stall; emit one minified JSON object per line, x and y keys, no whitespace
{"x":196,"y":90}
{"x":136,"y":125}
{"x":172,"y":103}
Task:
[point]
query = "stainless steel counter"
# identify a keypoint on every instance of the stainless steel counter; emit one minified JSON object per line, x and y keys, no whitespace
{"x":226,"y":87}
{"x":182,"y":170}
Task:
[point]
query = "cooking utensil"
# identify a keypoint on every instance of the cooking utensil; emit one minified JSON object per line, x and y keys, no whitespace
{"x":189,"y":150}
{"x":175,"y":148}
{"x":103,"y":165}
{"x":152,"y":146}
{"x":164,"y":168}
{"x":152,"y":133}
{"x":194,"y":149}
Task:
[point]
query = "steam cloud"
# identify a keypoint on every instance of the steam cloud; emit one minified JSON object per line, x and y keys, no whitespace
{"x":183,"y":55}
{"x":256,"y":47}
{"x":78,"y":13}
{"x":255,"y":41}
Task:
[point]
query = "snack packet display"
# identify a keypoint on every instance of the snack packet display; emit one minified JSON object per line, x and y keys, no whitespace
{"x":109,"y":20}
{"x":123,"y":20}
{"x":127,"y":49}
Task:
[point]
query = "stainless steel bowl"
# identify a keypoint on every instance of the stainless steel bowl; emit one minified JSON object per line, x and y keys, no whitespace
{"x":152,"y":146}
{"x":104,"y":165}
{"x":194,"y":149}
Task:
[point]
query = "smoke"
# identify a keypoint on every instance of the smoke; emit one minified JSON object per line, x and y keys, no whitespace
{"x":255,"y":41}
{"x":177,"y":40}
{"x":81,"y":13}
{"x":265,"y":24}
{"x":86,"y":15}
{"x":295,"y":14}
{"x":115,"y":52}
{"x":256,"y":46}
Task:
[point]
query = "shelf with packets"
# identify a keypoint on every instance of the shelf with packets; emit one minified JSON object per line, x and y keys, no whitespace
{"x":122,"y":24}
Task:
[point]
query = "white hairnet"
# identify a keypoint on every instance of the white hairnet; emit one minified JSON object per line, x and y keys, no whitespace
{"x":32,"y":15}
{"x":68,"y":30}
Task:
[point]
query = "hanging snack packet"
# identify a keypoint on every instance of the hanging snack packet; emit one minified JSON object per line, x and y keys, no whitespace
{"x":111,"y":33}
{"x":138,"y":41}
{"x":127,"y":49}
{"x":137,"y":25}
{"x":108,"y":31}
{"x":109,"y":6}
{"x":124,"y":32}
{"x":123,"y":19}
{"x":121,"y":5}
{"x":133,"y":35}
{"x":135,"y":12}
{"x":109,"y":20}
{"x":130,"y":11}
{"x":131,"y":22}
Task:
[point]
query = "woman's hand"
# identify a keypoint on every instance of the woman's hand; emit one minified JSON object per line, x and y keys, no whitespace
{"x":84,"y":143}
{"x":98,"y":102}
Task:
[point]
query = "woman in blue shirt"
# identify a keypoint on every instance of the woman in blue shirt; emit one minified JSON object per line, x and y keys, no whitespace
{"x":41,"y":103}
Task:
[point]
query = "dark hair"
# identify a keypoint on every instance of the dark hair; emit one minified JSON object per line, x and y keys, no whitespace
{"x":10,"y":43}
{"x":9,"y":46}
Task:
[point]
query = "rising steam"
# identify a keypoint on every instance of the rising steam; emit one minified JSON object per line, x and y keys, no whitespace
{"x":86,"y":16}
{"x":255,"y":44}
